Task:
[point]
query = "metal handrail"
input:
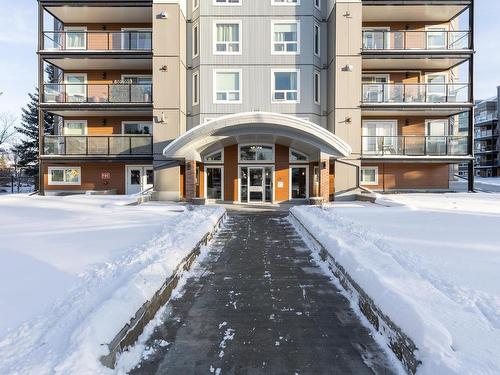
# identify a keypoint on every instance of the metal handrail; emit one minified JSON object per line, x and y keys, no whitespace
{"x":97,"y":93}
{"x":405,"y":40}
{"x":414,"y":145}
{"x":416,"y":92}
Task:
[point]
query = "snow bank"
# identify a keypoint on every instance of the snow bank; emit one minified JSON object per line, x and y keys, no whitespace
{"x":431,"y":265}
{"x":75,"y":270}
{"x":487,"y":183}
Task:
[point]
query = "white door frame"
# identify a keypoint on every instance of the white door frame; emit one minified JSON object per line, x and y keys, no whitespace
{"x":273,"y":173}
{"x":205,"y":181}
{"x":306,"y":166}
{"x":143,"y":174}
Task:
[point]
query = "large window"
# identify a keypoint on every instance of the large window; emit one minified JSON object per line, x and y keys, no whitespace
{"x":379,"y":137}
{"x":136,"y":39}
{"x":286,"y":86}
{"x":64,"y":176}
{"x":260,"y":153}
{"x":286,"y":37}
{"x":299,"y":182}
{"x":136,"y":127}
{"x":369,"y":175}
{"x":214,"y":182}
{"x":227,"y":37}
{"x":227,"y":86}
{"x":75,"y":127}
{"x":76,"y":37}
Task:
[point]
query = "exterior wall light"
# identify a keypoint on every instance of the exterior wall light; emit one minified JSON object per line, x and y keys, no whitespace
{"x":163,"y":15}
{"x":348,"y":68}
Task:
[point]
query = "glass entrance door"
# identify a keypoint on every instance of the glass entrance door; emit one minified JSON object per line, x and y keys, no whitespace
{"x":139,"y":179}
{"x":255,"y":185}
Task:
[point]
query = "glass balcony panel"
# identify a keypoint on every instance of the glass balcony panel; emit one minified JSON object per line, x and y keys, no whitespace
{"x":415,"y":145}
{"x":415,"y":93}
{"x":140,"y":145}
{"x":54,"y":145}
{"x":119,"y":145}
{"x":140,"y":93}
{"x":76,"y":145}
{"x":119,"y":93}
{"x":98,"y":145}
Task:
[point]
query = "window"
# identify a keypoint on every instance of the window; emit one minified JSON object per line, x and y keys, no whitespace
{"x":215,"y":157}
{"x":317,"y":40}
{"x":227,"y":2}
{"x":436,"y":89}
{"x":379,"y":137}
{"x":296,"y":156}
{"x":196,"y":88}
{"x":259,"y":153}
{"x":227,"y":37}
{"x":285,"y":37}
{"x":380,"y":38}
{"x":317,"y":87}
{"x":64,"y":176}
{"x":369,"y":175}
{"x":286,"y":86}
{"x":196,"y":40}
{"x":76,"y":87}
{"x":136,"y":39}
{"x":135,"y":127}
{"x":227,"y":86}
{"x":196,"y":4}
{"x":285,"y":2}
{"x":436,"y":37}
{"x":76,"y":37}
{"x":214,"y":181}
{"x":317,"y":4}
{"x":299,"y":182}
{"x":75,"y":127}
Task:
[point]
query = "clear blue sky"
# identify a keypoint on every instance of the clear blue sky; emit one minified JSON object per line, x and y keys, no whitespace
{"x":18,"y":71}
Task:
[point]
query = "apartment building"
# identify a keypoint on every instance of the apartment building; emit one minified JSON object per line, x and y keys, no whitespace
{"x":254,"y":101}
{"x":487,"y":144}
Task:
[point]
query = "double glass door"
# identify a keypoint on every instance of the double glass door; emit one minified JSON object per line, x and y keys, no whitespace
{"x":256,"y":184}
{"x":139,"y":179}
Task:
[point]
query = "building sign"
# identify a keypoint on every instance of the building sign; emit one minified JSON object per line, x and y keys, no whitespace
{"x":105,"y":175}
{"x":280,"y":185}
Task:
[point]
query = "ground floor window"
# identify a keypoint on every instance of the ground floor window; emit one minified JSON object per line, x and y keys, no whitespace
{"x":214,"y":178}
{"x":369,"y":176}
{"x":64,"y":176}
{"x":299,"y":182}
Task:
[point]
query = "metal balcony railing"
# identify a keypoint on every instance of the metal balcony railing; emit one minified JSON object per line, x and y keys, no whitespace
{"x":416,"y":40}
{"x":112,"y":145}
{"x":388,"y":93}
{"x":415,"y":145}
{"x":97,"y":93}
{"x":78,"y":40}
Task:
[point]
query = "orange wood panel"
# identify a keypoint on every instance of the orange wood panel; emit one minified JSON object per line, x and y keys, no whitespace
{"x":282,"y":173}
{"x":231,"y":173}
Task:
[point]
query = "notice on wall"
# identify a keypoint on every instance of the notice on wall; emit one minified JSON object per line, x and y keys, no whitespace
{"x":280,"y":184}
{"x":105,"y":175}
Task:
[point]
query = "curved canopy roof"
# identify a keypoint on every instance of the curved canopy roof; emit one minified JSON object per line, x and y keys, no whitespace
{"x":260,"y":127}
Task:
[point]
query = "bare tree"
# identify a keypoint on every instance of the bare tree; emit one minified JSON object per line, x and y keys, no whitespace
{"x":7,"y":130}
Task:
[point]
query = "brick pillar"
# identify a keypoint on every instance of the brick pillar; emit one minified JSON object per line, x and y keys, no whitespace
{"x":190,"y":180}
{"x":324,"y":179}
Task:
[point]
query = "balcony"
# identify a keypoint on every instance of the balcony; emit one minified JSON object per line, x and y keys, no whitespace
{"x":414,"y":146}
{"x":99,"y":146}
{"x":84,"y":41}
{"x":486,"y":134}
{"x":438,"y":41}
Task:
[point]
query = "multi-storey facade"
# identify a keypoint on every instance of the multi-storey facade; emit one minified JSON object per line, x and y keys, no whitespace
{"x":487,"y":143}
{"x":255,"y":101}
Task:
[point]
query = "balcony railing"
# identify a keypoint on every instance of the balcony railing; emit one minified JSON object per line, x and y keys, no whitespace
{"x":415,"y":145}
{"x":416,"y":40}
{"x":486,"y":133}
{"x":388,"y":93}
{"x":97,"y":40}
{"x":97,"y":93}
{"x":115,"y":145}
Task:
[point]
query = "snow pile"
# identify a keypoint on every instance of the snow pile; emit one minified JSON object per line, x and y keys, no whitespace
{"x":75,"y":270}
{"x":432,"y":265}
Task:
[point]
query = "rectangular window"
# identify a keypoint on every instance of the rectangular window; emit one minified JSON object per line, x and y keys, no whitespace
{"x":317,"y":88}
{"x":227,"y":86}
{"x":75,"y":127}
{"x":136,"y":127}
{"x":317,"y":4}
{"x":299,"y":182}
{"x":196,"y":4}
{"x":214,"y":180}
{"x":196,"y":40}
{"x":285,"y":2}
{"x":285,"y":37}
{"x":64,"y":176}
{"x":227,"y":38}
{"x":136,"y":38}
{"x":196,"y":88}
{"x":227,"y":2}
{"x":286,"y":86}
{"x":76,"y":37}
{"x":317,"y":40}
{"x":260,"y":153}
{"x":369,"y":175}
{"x":379,"y":137}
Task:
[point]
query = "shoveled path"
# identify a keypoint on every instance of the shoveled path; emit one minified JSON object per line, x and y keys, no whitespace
{"x":259,"y":304}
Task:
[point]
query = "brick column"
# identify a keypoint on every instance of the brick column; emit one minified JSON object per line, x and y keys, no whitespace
{"x":190,"y":180}
{"x":324,"y":179}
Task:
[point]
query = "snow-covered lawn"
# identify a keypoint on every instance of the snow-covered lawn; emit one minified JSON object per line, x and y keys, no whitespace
{"x":73,"y":270}
{"x":488,"y":183}
{"x":432,"y":263}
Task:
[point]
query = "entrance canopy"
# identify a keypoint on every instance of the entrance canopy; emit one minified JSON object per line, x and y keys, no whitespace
{"x":261,"y":127}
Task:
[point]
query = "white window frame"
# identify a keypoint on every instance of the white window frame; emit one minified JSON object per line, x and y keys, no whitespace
{"x":196,"y":88}
{"x":436,"y":28}
{"x":76,"y":29}
{"x":379,"y":29}
{"x":290,"y":150}
{"x":150,"y":123}
{"x":205,"y":181}
{"x":85,"y":131}
{"x":256,"y":162}
{"x":306,"y":166}
{"x":124,"y":29}
{"x":226,"y":3}
{"x":205,"y":161}
{"x":317,"y":87}
{"x":317,"y":28}
{"x":50,"y":182}
{"x":84,"y":84}
{"x":361,"y":182}
{"x":215,"y":101}
{"x":195,"y":48}
{"x":285,"y":3}
{"x":273,"y":85}
{"x":214,"y":35}
{"x":317,"y":4}
{"x":280,"y":22}
{"x":196,"y":4}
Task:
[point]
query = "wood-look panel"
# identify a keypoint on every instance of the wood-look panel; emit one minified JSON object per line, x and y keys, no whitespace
{"x":231,"y":173}
{"x":408,"y":176}
{"x":182,"y":181}
{"x":200,"y":191}
{"x":106,"y":125}
{"x":332,"y":181}
{"x":282,"y":173}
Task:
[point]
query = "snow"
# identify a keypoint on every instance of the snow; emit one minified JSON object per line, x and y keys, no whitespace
{"x":487,"y":183}
{"x":429,"y":261}
{"x":74,"y":270}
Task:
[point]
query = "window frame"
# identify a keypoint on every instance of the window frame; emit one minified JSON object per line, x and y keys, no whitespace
{"x":317,"y":4}
{"x":205,"y":181}
{"x":50,"y":182}
{"x":195,"y":48}
{"x":85,"y":129}
{"x":205,"y":161}
{"x":214,"y":36}
{"x":195,"y":99}
{"x":137,"y":122}
{"x":317,"y":87}
{"x":256,"y":162}
{"x":290,"y":150}
{"x":70,"y":29}
{"x":317,"y":28}
{"x":196,"y":4}
{"x":361,"y":182}
{"x":240,"y":73}
{"x":297,"y":166}
{"x":273,"y":86}
{"x":284,"y":22}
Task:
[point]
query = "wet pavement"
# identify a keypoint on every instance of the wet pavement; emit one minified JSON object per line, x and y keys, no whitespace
{"x":259,"y":304}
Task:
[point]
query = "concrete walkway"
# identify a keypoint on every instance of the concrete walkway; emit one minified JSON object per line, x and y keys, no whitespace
{"x":260,"y":305}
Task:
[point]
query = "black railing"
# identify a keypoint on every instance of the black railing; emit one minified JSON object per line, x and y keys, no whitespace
{"x":416,"y":40}
{"x":415,"y":145}
{"x":112,"y":145}
{"x":79,"y":40}
{"x":97,"y":93}
{"x":416,"y":93}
